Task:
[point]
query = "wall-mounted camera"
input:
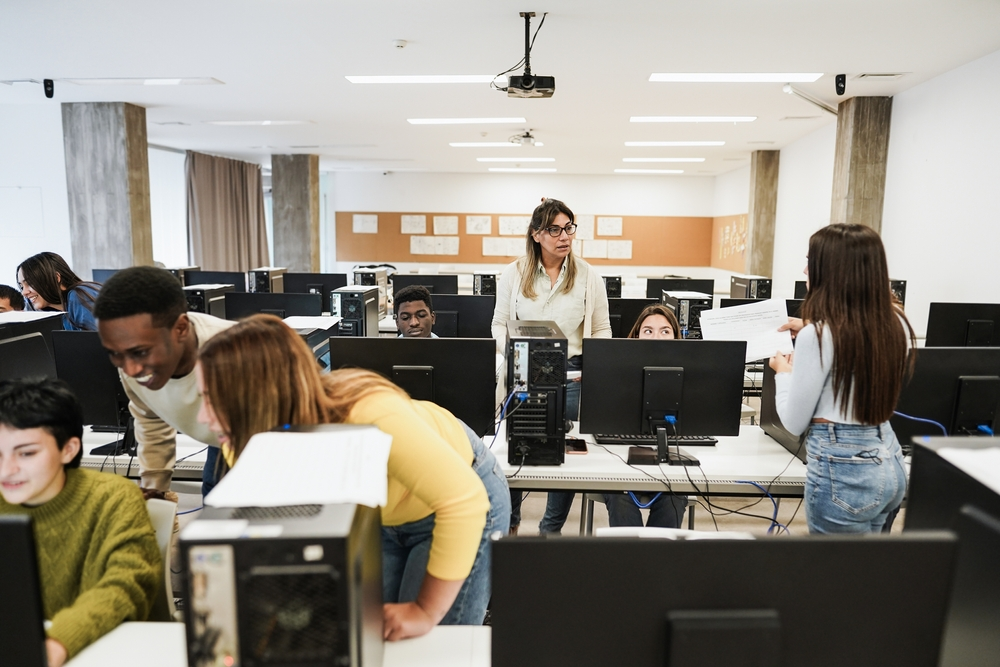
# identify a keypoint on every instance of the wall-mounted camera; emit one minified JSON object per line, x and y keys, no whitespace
{"x":841,"y":83}
{"x":50,"y":87}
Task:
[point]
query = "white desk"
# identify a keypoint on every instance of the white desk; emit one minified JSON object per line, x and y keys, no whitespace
{"x":188,"y":449}
{"x":163,"y":645}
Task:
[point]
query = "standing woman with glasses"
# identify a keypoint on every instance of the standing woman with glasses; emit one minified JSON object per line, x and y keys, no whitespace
{"x":549,"y":283}
{"x":849,"y":365}
{"x":47,"y":283}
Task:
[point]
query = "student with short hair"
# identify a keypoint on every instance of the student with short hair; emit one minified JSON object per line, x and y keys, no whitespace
{"x":47,"y":283}
{"x":143,"y":322}
{"x":414,"y":312}
{"x":10,"y":299}
{"x":98,"y":560}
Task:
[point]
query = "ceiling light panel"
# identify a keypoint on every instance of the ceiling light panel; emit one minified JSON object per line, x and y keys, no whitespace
{"x":673,"y":143}
{"x":258,"y":122}
{"x":427,"y":78}
{"x":735,"y":77}
{"x":663,"y":159}
{"x":649,"y":171}
{"x":484,"y":144}
{"x":156,"y":81}
{"x":692,"y":119}
{"x":515,"y":159}
{"x":525,"y":170}
{"x":465,"y":121}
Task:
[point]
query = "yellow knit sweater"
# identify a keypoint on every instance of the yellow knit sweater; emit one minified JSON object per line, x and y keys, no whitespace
{"x":97,"y":557}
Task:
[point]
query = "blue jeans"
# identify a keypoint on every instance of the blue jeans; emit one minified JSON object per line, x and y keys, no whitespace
{"x":854,"y":477}
{"x":406,"y":548}
{"x":558,"y":504}
{"x":667,"y":511}
{"x":210,"y":473}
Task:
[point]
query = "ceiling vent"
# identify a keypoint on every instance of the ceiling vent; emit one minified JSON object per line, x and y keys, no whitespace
{"x":885,"y":76}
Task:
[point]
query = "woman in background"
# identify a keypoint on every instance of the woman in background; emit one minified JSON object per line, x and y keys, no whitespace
{"x":47,"y":283}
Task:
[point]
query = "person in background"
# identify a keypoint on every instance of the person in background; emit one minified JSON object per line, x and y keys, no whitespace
{"x":414,"y":312}
{"x":550,"y":283}
{"x":10,"y":299}
{"x":447,"y":500}
{"x":666,"y":510}
{"x":47,"y":283}
{"x":98,"y":560}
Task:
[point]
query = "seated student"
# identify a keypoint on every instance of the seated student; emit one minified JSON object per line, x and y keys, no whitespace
{"x":10,"y":299}
{"x":666,"y":510}
{"x":144,"y":324}
{"x":414,"y":312}
{"x":47,"y":282}
{"x":98,"y":560}
{"x":447,"y":495}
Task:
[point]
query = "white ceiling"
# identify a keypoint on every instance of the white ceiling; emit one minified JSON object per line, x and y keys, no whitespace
{"x":287,"y":59}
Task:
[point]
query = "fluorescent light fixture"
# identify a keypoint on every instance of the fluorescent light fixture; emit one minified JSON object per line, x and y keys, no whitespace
{"x":674,"y":143}
{"x":427,"y":78}
{"x":663,"y":159}
{"x":141,"y":81}
{"x":524,"y":170}
{"x":162,"y":82}
{"x":484,"y":144}
{"x":649,"y":171}
{"x":258,"y":122}
{"x":692,"y":119}
{"x":464,"y":121}
{"x":515,"y":159}
{"x":735,"y":77}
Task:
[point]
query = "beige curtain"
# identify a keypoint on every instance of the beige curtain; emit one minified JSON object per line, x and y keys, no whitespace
{"x":225,"y":209}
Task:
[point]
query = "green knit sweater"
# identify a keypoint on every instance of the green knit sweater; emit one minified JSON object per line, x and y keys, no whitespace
{"x":97,"y":556}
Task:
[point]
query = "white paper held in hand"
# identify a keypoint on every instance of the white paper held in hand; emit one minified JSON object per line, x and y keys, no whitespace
{"x":755,"y":323}
{"x":279,"y":468}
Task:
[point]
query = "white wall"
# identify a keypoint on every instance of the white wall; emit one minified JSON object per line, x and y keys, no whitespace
{"x":942,"y":191}
{"x":34,"y":213}
{"x":732,"y":193}
{"x":168,"y":207}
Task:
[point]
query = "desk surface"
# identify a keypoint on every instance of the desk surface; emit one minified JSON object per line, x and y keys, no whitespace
{"x":163,"y":645}
{"x":190,"y":450}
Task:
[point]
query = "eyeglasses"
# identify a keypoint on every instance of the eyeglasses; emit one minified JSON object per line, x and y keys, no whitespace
{"x":555,"y":231}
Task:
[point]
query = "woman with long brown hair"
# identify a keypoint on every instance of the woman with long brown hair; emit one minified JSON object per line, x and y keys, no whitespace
{"x":47,"y":283}
{"x":447,"y":495}
{"x":849,"y":365}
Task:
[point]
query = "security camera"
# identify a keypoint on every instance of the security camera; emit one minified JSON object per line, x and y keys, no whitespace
{"x":50,"y":88}
{"x":841,"y":83}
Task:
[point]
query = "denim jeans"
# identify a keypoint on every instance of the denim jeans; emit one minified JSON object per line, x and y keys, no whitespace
{"x":667,"y":511}
{"x":854,"y":477}
{"x":406,"y":548}
{"x":210,"y":473}
{"x":558,"y":504}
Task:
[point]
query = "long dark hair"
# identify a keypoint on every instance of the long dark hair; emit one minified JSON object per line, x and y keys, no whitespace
{"x":849,"y":293}
{"x":541,"y":218}
{"x":50,"y":276}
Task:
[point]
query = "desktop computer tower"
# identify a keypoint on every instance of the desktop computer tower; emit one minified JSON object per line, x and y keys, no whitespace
{"x":484,"y":284}
{"x":294,"y":585}
{"x":209,"y":299}
{"x":536,"y":374}
{"x":687,"y":307}
{"x":268,"y":279}
{"x":357,"y":308}
{"x":378,"y":278}
{"x":613,"y":285}
{"x":179,"y":271}
{"x":800,"y":289}
{"x":749,"y":287}
{"x":898,"y":289}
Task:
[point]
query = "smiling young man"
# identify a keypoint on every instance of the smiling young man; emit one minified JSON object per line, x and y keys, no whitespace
{"x":414,"y":312}
{"x":98,"y":560}
{"x":144,"y":324}
{"x":10,"y":299}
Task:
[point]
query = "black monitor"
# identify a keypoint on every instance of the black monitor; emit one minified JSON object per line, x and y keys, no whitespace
{"x":83,"y":363}
{"x":22,"y":641}
{"x":435,"y":284}
{"x":939,"y":488}
{"x":624,"y":313}
{"x":25,"y":356}
{"x":459,"y":374}
{"x":315,"y":283}
{"x":101,"y":275}
{"x":655,"y":286}
{"x":800,"y":289}
{"x":592,"y":602}
{"x":282,"y":304}
{"x":237,"y":279}
{"x":463,"y":315}
{"x":957,"y":387}
{"x":963,"y":325}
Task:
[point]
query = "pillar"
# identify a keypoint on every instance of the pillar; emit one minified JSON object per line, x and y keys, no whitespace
{"x":763,"y":204}
{"x":295,"y":204}
{"x":859,"y":161}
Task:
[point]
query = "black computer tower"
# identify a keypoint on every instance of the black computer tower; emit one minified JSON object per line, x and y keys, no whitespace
{"x":536,"y":377}
{"x":269,"y":279}
{"x":357,"y":306}
{"x":209,"y":299}
{"x":484,"y":284}
{"x":378,"y":278}
{"x":613,"y":285}
{"x":687,"y":307}
{"x":179,"y":271}
{"x":749,"y":287}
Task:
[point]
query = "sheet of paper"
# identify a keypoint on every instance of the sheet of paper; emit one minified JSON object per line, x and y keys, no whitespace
{"x":755,"y":323}
{"x":596,"y":249}
{"x":446,"y":225}
{"x":12,"y":316}
{"x":514,"y":225}
{"x":413,"y":224}
{"x":619,"y":249}
{"x":307,"y":322}
{"x":345,"y":465}
{"x":479,"y":224}
{"x":446,"y":245}
{"x":609,"y":226}
{"x":584,"y":227}
{"x":981,"y":464}
{"x":494,"y":247}
{"x":421,"y":245}
{"x":515,"y":247}
{"x":365,"y":223}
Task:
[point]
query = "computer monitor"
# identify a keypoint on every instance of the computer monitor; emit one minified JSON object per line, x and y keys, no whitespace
{"x":101,"y":275}
{"x":25,"y":356}
{"x":459,"y":374}
{"x":963,"y":325}
{"x":463,"y":315}
{"x":22,"y":641}
{"x":655,"y":286}
{"x":235,"y":278}
{"x":624,"y":313}
{"x":315,"y":283}
{"x":281,"y":304}
{"x":800,"y":289}
{"x":940,"y":487}
{"x":592,"y":602}
{"x":770,"y":422}
{"x":435,"y":284}
{"x":83,"y":363}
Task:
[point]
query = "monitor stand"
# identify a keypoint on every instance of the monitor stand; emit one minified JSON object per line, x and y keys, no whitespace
{"x":125,"y":445}
{"x":675,"y":456}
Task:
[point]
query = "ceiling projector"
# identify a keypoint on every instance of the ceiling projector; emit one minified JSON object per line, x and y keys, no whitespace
{"x":529,"y":85}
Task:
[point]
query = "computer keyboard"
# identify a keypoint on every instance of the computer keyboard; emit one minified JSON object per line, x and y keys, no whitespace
{"x":688,"y":440}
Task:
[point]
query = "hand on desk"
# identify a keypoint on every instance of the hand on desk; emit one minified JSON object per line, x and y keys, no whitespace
{"x":403,"y":620}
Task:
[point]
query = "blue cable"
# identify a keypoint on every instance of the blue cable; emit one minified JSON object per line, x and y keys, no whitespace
{"x":985,"y":429}
{"x":926,"y":421}
{"x":774,"y":503}
{"x":639,"y":504}
{"x":198,"y":509}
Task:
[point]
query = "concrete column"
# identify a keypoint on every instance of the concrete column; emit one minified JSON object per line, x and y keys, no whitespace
{"x":295,"y":202}
{"x":107,"y":178}
{"x":763,"y":204}
{"x":859,"y":161}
